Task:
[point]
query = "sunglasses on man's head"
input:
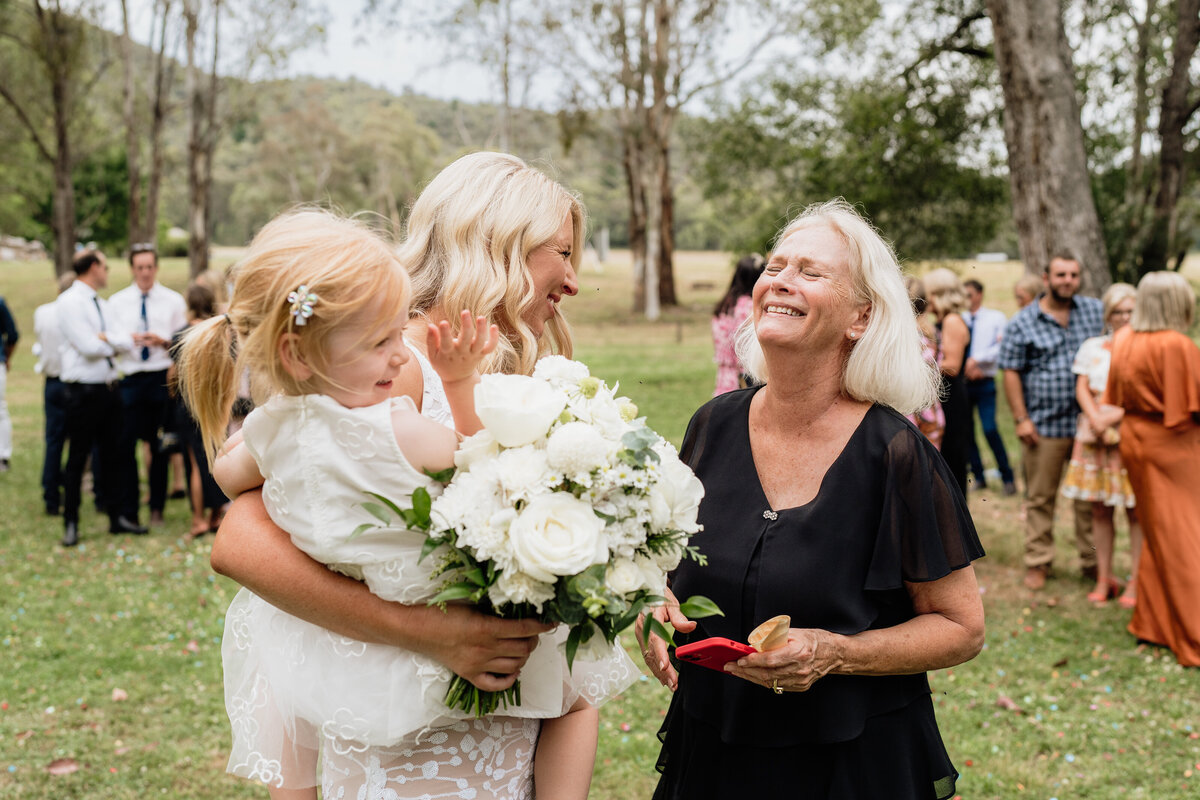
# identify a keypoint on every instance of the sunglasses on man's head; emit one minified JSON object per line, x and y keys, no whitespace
{"x":141,"y":247}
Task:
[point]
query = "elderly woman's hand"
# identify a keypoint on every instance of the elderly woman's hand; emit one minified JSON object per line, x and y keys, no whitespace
{"x":808,"y":656}
{"x":654,"y":651}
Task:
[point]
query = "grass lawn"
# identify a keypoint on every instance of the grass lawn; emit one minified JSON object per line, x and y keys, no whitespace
{"x":111,"y":651}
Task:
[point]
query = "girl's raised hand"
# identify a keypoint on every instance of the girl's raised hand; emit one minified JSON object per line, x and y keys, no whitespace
{"x":457,"y":358}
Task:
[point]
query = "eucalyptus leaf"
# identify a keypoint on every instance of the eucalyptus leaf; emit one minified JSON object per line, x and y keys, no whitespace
{"x":698,"y":606}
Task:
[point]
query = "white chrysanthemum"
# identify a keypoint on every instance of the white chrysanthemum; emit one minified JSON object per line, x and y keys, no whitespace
{"x":524,"y":473}
{"x":560,"y":370}
{"x":514,"y":586}
{"x":489,"y":538}
{"x":466,"y":503}
{"x":578,"y":448}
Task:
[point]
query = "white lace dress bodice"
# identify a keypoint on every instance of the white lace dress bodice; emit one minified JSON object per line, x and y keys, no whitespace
{"x":294,"y":689}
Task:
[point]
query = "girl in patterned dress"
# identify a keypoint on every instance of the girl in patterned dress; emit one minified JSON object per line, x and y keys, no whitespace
{"x":729,"y":314}
{"x":1095,"y":472}
{"x":319,"y":311}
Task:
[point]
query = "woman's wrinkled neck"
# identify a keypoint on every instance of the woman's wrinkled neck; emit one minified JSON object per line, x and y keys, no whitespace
{"x":801,"y":390}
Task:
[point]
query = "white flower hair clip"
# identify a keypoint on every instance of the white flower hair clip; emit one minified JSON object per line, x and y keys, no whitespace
{"x":302,"y":301}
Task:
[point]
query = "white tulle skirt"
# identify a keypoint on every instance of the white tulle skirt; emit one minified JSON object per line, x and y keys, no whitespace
{"x":291,"y":685}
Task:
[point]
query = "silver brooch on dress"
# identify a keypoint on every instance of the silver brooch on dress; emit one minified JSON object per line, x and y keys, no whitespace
{"x":302,"y":301}
{"x":771,"y":515}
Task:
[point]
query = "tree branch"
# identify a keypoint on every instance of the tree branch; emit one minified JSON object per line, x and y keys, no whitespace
{"x":28,"y":123}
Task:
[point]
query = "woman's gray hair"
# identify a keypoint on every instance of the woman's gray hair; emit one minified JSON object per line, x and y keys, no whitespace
{"x":886,"y":364}
{"x":1165,"y":301}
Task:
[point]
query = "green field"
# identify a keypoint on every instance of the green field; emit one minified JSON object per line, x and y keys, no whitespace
{"x":111,"y":651}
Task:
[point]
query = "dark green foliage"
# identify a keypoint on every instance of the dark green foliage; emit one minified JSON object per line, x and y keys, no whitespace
{"x":900,"y":152}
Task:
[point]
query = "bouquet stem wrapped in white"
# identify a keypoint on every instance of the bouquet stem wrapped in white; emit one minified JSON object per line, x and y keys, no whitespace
{"x":565,"y":507}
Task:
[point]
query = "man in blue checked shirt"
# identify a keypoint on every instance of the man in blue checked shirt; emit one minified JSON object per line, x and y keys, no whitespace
{"x":1036,"y":353}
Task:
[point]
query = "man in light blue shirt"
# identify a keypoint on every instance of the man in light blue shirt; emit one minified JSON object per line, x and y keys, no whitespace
{"x":987,"y":328}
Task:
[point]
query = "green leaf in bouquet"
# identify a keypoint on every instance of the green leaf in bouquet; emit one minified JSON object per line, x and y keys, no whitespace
{"x":395,"y":509}
{"x":427,"y":547}
{"x":475,"y":576}
{"x":629,"y":617}
{"x":580,"y":634}
{"x":421,"y":502}
{"x":457,"y":591}
{"x":442,"y":476}
{"x":639,"y":439}
{"x":361,"y":529}
{"x":698,"y":606}
{"x":658,"y":629}
{"x":378,"y":512}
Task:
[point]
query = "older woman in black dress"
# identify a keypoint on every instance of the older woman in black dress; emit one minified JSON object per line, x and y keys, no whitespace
{"x":824,"y":503}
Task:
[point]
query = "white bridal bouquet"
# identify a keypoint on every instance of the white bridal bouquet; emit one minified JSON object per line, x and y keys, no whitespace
{"x":565,"y":507}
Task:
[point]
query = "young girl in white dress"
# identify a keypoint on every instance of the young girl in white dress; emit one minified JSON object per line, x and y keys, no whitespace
{"x":319,"y":310}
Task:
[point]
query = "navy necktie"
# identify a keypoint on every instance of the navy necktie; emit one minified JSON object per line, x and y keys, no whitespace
{"x":145,"y":326}
{"x":99,"y":313}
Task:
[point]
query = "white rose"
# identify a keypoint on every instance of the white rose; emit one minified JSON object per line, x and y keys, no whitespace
{"x":577,"y":447}
{"x":517,"y":409}
{"x":560,"y":370}
{"x":474,"y":449}
{"x":557,"y":535}
{"x":654,"y":576}
{"x":675,"y":496}
{"x":623,"y":577}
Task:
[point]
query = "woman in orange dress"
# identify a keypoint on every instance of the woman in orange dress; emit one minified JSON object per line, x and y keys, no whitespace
{"x":1155,"y":377}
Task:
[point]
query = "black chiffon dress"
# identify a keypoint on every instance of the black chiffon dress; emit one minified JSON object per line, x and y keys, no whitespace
{"x":960,"y":430}
{"x":888,"y":511}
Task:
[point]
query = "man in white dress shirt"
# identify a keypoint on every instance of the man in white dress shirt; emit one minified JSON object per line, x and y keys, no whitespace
{"x":49,"y":365}
{"x":154,"y":312}
{"x":91,"y":342}
{"x":987,"y":328}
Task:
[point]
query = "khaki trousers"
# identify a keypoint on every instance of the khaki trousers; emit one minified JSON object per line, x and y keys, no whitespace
{"x":1044,"y":468}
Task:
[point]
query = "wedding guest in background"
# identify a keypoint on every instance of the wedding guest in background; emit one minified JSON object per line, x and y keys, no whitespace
{"x":49,"y":365}
{"x":930,"y":420}
{"x":1036,"y":354}
{"x":9,"y":335}
{"x":91,"y":342}
{"x":155,"y":313}
{"x":1155,"y":377}
{"x":986,"y":328}
{"x":1095,"y":472}
{"x":946,"y":300}
{"x":822,"y":502}
{"x":207,"y":500}
{"x":1026,"y":289}
{"x":731,"y":311}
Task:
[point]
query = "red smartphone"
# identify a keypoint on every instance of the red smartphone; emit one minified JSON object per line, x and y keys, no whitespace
{"x":714,"y":652}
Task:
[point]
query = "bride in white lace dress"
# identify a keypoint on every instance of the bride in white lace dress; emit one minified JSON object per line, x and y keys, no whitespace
{"x":495,"y":236}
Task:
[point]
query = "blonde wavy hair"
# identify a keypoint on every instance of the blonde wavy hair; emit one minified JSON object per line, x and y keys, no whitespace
{"x":1165,"y":301}
{"x":885,"y":364}
{"x":470,"y":234}
{"x":945,"y":292}
{"x":1114,"y":295}
{"x":348,"y":266}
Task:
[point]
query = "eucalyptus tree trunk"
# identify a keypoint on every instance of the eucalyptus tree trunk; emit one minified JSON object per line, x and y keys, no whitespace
{"x":1177,"y":109}
{"x":163,"y":75}
{"x":1052,"y":199}
{"x":133,"y":167}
